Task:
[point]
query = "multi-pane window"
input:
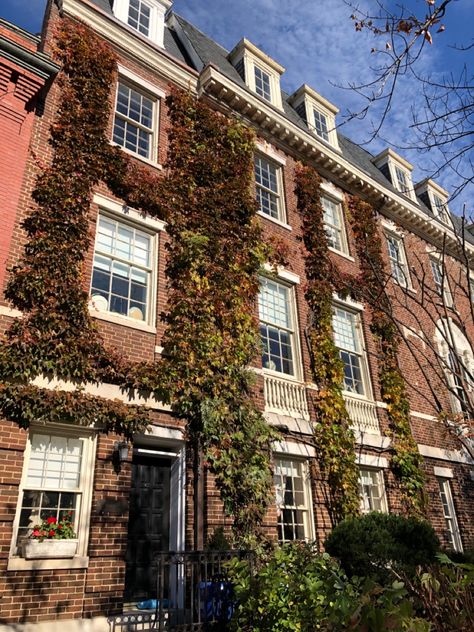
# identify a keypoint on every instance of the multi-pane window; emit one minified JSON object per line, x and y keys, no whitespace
{"x":440,"y":208}
{"x":52,"y":485}
{"x":333,"y":224}
{"x":133,"y":123}
{"x":458,"y":378}
{"x":139,"y":15}
{"x":441,"y":281}
{"x":321,"y":125}
{"x":293,"y":499}
{"x":268,"y":186}
{"x":276,"y":327}
{"x":396,"y":255}
{"x":452,"y":527}
{"x":121,"y":276}
{"x":262,"y":83}
{"x":346,"y":329}
{"x":402,"y":181}
{"x":372,"y":490}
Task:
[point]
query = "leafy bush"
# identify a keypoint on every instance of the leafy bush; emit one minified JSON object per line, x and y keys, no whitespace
{"x":370,"y":545}
{"x":444,"y":594}
{"x":294,"y":588}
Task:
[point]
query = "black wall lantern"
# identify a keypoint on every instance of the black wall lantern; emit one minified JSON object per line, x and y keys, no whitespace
{"x":120,"y":454}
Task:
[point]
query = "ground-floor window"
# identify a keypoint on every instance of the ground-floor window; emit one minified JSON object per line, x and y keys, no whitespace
{"x":293,"y":498}
{"x":452,"y":527}
{"x":372,"y":490}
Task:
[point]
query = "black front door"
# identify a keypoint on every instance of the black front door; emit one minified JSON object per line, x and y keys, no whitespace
{"x":149,"y":524}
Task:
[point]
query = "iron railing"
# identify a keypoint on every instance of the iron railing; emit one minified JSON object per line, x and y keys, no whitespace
{"x":193,"y":594}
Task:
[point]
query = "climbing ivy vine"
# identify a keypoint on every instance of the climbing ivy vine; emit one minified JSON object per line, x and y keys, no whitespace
{"x":406,"y":460}
{"x":215,"y":251}
{"x":334,"y":439}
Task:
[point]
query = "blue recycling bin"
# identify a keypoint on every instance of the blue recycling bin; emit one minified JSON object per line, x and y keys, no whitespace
{"x":216,"y":600}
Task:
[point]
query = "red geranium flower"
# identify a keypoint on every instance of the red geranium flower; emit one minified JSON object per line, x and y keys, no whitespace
{"x":51,"y":520}
{"x":52,"y":532}
{"x":36,"y":532}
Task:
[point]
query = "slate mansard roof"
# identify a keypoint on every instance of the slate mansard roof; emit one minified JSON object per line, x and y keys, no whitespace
{"x":206,"y":51}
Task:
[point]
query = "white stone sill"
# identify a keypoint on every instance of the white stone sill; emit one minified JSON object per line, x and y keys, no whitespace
{"x":274,"y":221}
{"x":117,"y":319}
{"x":20,"y":564}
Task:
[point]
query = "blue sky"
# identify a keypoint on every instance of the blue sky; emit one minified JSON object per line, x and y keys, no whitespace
{"x":316,"y":42}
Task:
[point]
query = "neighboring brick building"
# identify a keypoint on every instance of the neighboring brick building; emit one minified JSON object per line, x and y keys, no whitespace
{"x":24,"y":73}
{"x":110,"y":564}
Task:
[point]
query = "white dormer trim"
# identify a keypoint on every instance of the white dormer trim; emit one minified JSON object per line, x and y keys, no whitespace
{"x":158,"y":9}
{"x":394,"y":162}
{"x":254,"y":58}
{"x":314,"y":103}
{"x":435,"y":191}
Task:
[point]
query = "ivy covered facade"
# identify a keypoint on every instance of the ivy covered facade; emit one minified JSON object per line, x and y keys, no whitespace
{"x":205,"y":317}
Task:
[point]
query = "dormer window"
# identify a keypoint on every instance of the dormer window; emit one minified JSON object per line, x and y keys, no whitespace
{"x":262,"y":84}
{"x":259,"y":71}
{"x":397,"y":170}
{"x":145,"y":16}
{"x":321,"y":125}
{"x":139,"y":14}
{"x":436,"y":198}
{"x":319,"y":114}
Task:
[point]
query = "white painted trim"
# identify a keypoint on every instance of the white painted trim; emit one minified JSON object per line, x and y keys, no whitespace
{"x":415,"y":413}
{"x":11,"y":312}
{"x":341,"y":253}
{"x":88,"y":436}
{"x":274,"y":220}
{"x":283,"y":274}
{"x":302,"y":426}
{"x":118,"y":319}
{"x":132,"y":44}
{"x":157,"y":8}
{"x":348,"y":302}
{"x":96,"y":624}
{"x":268,"y":150}
{"x":147,"y":161}
{"x":443,"y":472}
{"x":396,"y":204}
{"x":166,"y":434}
{"x":105,"y":391}
{"x":290,"y":448}
{"x":159,"y":349}
{"x":140,"y":82}
{"x":372,"y":440}
{"x":329,"y":188}
{"x":130,"y":214}
{"x":442,"y":454}
{"x":371,"y":460}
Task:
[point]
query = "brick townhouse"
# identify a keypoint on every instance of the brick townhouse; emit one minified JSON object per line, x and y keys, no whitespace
{"x":52,"y":467}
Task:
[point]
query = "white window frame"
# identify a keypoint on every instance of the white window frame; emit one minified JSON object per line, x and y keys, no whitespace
{"x":158,"y":10}
{"x":449,"y":513}
{"x":118,"y":212}
{"x":379,"y":483}
{"x":355,"y":310}
{"x":341,"y":230}
{"x":439,"y":206}
{"x":308,"y":520}
{"x":400,"y":265}
{"x":279,"y":193}
{"x":152,"y":92}
{"x":253,"y":57}
{"x":440,"y":280}
{"x":293,"y":331}
{"x":89,"y":438}
{"x":394,"y":161}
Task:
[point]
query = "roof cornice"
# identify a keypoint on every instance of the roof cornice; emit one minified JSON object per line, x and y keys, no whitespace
{"x":35,"y":62}
{"x":270,"y":120}
{"x":130,"y":43}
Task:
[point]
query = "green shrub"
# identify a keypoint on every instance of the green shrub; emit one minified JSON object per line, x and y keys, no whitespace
{"x":368,"y":546}
{"x":294,"y":588}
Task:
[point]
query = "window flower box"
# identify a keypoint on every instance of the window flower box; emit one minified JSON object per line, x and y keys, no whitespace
{"x":37,"y":549}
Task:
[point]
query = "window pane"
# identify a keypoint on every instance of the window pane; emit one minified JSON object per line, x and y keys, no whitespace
{"x":262,"y":84}
{"x":267,"y":190}
{"x":292,"y":498}
{"x":54,"y":462}
{"x":321,"y":125}
{"x":133,"y":121}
